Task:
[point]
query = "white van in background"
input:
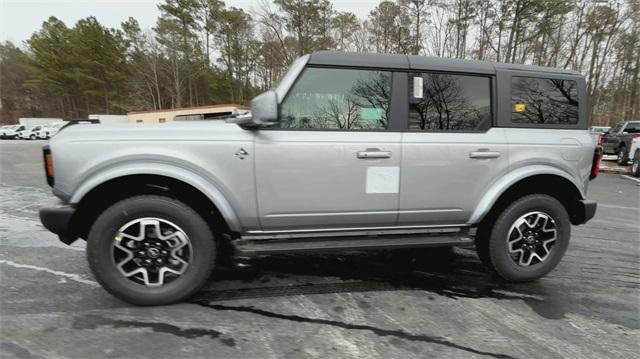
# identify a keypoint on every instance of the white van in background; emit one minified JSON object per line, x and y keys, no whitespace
{"x":12,"y":132}
{"x":48,"y":131}
{"x":30,"y":133}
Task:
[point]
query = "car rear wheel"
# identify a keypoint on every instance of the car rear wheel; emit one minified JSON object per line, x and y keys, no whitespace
{"x":623,"y":160}
{"x":528,"y":239}
{"x":635,"y":166}
{"x":151,"y":250}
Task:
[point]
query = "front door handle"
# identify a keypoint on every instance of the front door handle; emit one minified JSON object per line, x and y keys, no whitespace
{"x":373,"y":153}
{"x":484,"y":153}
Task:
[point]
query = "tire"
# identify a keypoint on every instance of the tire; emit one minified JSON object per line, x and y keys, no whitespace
{"x":623,"y":159}
{"x":107,"y":236}
{"x":32,"y":137}
{"x":635,"y":166}
{"x":494,"y":249}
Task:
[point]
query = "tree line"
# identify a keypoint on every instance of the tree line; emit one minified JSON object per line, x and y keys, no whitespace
{"x":204,"y":52}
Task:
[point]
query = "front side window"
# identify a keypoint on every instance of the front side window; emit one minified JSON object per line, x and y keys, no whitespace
{"x":450,"y":102}
{"x":325,"y":98}
{"x":544,"y":101}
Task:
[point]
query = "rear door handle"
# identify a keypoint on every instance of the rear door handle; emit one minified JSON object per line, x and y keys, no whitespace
{"x":482,"y":153}
{"x":373,"y":153}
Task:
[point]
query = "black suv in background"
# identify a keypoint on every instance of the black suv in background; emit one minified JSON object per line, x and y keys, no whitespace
{"x":618,"y":140}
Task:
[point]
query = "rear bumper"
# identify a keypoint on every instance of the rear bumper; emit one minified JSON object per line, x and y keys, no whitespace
{"x":58,"y":221}
{"x":587,"y":210}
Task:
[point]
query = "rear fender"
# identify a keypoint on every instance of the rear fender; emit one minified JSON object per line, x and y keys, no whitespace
{"x":507,"y":181}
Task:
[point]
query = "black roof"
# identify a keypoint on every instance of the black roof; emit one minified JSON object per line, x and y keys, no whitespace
{"x":415,"y":62}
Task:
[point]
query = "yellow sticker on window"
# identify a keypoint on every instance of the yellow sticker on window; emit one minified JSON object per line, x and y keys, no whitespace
{"x":519,"y":107}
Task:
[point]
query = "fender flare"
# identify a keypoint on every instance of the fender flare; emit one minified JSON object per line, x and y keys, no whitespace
{"x":206,"y":186}
{"x":510,"y":179}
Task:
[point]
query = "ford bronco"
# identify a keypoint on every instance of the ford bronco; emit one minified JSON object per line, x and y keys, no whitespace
{"x":348,"y":152}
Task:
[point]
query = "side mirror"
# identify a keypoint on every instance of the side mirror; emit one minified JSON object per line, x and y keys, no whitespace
{"x":264,"y":108}
{"x":264,"y":112}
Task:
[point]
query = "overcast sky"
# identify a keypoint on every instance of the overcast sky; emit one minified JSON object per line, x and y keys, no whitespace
{"x":20,"y":18}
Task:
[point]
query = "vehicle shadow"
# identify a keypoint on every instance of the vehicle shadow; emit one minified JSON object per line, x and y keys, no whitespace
{"x":455,"y":274}
{"x":452,"y":273}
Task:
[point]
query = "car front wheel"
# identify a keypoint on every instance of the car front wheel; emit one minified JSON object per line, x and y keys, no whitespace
{"x":528,"y":239}
{"x":151,"y":250}
{"x":635,"y":166}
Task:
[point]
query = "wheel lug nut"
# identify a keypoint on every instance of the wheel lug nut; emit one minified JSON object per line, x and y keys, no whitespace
{"x":159,"y":260}
{"x":146,"y":244}
{"x":147,"y":261}
{"x":141,"y":253}
{"x":163,"y":252}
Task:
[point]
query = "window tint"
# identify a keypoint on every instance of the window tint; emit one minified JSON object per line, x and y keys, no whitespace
{"x":325,"y":98}
{"x":544,"y":101}
{"x":451,"y":103}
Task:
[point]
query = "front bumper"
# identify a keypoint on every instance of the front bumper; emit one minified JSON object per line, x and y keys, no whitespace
{"x":587,"y":210}
{"x":58,"y":221}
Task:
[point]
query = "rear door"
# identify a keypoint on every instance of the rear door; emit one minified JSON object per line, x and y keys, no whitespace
{"x":332,"y":162}
{"x":451,"y":154}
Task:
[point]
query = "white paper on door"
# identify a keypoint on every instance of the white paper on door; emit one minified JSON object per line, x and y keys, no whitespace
{"x":383,"y":179}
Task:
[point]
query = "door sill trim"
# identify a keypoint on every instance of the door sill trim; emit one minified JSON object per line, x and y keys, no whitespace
{"x":359,"y":231}
{"x":252,"y":247}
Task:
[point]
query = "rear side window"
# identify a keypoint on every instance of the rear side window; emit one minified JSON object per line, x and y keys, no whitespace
{"x":450,"y":102}
{"x":632,"y":127}
{"x":347,"y":99}
{"x":544,"y":101}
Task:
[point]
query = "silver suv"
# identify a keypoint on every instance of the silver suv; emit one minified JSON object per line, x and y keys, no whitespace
{"x":349,"y":152}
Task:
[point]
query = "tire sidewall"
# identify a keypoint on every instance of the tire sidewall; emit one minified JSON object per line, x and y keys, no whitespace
{"x":635,"y":169}
{"x":498,"y":246}
{"x":105,"y":228}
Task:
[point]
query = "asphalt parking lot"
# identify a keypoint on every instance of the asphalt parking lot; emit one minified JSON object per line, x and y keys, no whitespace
{"x":387,"y":305}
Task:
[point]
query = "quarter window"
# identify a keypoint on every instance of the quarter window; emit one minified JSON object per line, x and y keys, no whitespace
{"x":450,"y":103}
{"x":544,"y":101}
{"x":347,"y":99}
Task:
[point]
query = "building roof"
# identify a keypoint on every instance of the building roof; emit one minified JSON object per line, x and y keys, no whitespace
{"x":415,"y":62}
{"x":204,"y":107}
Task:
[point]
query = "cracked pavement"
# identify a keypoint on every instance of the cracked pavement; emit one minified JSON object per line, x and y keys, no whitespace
{"x":401,"y":304}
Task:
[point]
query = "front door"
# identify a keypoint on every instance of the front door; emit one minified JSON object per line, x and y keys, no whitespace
{"x":330,"y":163}
{"x":450,"y":155}
{"x":611,"y":140}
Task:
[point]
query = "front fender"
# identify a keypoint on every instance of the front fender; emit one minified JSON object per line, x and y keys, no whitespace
{"x":161,"y":169}
{"x":513,"y":177}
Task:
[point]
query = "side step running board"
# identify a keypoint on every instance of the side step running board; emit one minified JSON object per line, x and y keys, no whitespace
{"x":251,"y":247}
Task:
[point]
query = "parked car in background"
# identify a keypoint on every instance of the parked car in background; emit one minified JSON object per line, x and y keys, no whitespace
{"x":30,"y":133}
{"x":13,"y":131}
{"x":48,"y":131}
{"x":348,"y":152}
{"x":3,"y":129}
{"x":634,"y":155}
{"x":598,"y":131}
{"x":618,"y":140}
